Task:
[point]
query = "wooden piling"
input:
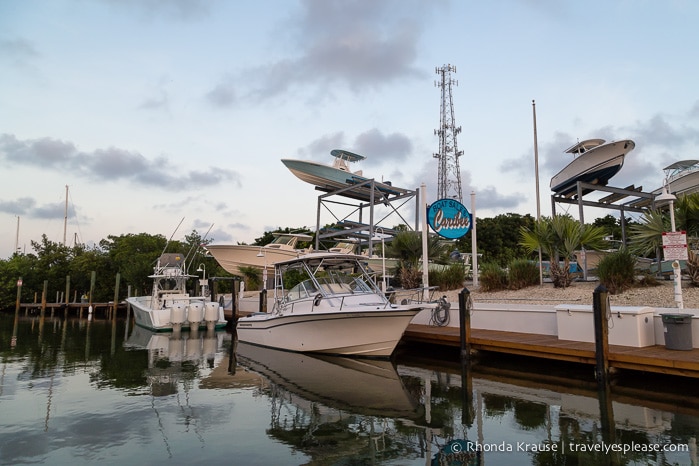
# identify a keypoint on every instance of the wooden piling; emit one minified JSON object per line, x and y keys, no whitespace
{"x":601,"y":311}
{"x":465,"y":323}
{"x":116,"y":295}
{"x":263,"y":300}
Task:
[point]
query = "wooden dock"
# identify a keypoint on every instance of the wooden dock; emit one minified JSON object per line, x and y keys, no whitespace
{"x":655,"y":358}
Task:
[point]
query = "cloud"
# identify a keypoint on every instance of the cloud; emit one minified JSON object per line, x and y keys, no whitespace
{"x":184,"y":10}
{"x":19,"y":50}
{"x":223,"y":95}
{"x":18,"y":206}
{"x":354,"y":44}
{"x":112,"y":164}
{"x":319,"y":149}
{"x":382,"y":148}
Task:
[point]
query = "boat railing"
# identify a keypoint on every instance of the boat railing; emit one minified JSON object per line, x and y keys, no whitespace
{"x":412,"y":295}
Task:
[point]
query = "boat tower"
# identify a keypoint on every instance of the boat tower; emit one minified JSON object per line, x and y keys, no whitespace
{"x":448,"y":173}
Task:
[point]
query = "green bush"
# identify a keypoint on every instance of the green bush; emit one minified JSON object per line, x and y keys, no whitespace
{"x":522,"y":273}
{"x":616,"y":270}
{"x":492,"y":277}
{"x":449,"y":278}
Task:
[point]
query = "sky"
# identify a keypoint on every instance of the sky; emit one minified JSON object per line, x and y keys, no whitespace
{"x":169,"y":116}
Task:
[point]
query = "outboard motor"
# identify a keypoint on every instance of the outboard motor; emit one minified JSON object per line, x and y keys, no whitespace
{"x":195,"y":315}
{"x":177,"y":316}
{"x":211,"y":314}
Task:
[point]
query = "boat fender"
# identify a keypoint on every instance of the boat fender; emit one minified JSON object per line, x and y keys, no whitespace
{"x":316,"y":300}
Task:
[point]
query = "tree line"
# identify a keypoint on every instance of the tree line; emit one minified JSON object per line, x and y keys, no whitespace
{"x":133,"y":256}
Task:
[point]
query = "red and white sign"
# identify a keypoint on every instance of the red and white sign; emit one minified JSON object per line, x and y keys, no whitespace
{"x":19,"y":282}
{"x":675,"y":245}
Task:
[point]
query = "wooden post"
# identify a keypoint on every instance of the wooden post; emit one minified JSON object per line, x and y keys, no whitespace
{"x":263,"y":301}
{"x":465,"y":323}
{"x":67,"y":289}
{"x":43,"y":298}
{"x":600,"y":311}
{"x":116,"y":295}
{"x":93,"y":277}
{"x":234,"y":302}
{"x":19,"y":295}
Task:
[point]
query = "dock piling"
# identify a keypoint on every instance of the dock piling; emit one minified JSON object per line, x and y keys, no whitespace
{"x":601,"y":311}
{"x":465,"y":304}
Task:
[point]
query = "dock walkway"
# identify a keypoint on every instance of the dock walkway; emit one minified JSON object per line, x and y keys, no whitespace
{"x":654,"y":358}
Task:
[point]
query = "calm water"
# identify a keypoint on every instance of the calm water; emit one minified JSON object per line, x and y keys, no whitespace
{"x":75,"y":391}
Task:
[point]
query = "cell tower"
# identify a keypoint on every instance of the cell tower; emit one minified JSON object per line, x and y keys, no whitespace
{"x":449,"y":175}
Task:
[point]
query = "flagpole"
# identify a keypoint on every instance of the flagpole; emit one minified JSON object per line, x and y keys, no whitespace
{"x":536,"y":173}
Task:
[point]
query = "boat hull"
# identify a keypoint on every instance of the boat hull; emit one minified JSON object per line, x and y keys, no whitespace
{"x":596,"y":166}
{"x":233,"y":257}
{"x":159,"y":320}
{"x":329,"y":178}
{"x":370,"y":333}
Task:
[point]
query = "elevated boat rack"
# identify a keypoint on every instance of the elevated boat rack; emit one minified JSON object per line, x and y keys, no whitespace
{"x":634,"y":200}
{"x":392,"y":203}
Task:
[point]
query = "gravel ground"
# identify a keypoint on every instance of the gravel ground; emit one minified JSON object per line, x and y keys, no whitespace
{"x":661,"y":296}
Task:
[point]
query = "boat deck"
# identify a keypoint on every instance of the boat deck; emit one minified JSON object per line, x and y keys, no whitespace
{"x":655,"y":358}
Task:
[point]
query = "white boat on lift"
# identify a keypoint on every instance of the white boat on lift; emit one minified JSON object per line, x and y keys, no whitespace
{"x":336,"y":176}
{"x":333,"y":307}
{"x":234,"y":256}
{"x":595,"y":162}
{"x":170,"y":308}
{"x":681,"y":177}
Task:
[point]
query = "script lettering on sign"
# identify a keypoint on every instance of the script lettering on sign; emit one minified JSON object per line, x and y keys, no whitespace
{"x":449,"y":218}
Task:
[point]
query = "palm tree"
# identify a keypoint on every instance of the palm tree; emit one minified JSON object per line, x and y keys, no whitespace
{"x":646,"y":237}
{"x":559,"y":237}
{"x":407,"y":246}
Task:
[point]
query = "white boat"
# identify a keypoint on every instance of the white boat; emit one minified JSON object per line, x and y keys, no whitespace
{"x":335,"y":176}
{"x":170,"y":307}
{"x":681,"y":177}
{"x":234,"y":256}
{"x":333,"y":307}
{"x":595,"y":162}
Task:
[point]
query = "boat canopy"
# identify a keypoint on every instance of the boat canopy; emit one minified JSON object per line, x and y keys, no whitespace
{"x":681,"y":165}
{"x":584,"y":146}
{"x":346,"y":155}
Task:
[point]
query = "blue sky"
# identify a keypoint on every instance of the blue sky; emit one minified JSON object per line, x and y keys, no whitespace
{"x":156,"y":110}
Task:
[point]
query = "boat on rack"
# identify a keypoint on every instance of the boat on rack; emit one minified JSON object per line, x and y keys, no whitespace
{"x":336,"y":176}
{"x":170,"y":307}
{"x":681,"y":177}
{"x":595,"y":162}
{"x":333,"y":306}
{"x":234,"y":256}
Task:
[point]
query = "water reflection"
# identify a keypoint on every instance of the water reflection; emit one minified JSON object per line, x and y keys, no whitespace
{"x":81,"y":390}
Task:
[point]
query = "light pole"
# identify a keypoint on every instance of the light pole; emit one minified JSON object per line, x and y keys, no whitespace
{"x":383,"y":259}
{"x":676,"y":271}
{"x":264,"y":271}
{"x":203,"y":283}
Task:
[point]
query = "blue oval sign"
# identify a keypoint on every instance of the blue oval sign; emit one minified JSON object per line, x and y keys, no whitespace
{"x":449,"y":218}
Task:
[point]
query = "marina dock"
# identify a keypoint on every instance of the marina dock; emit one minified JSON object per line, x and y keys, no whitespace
{"x":654,"y":358}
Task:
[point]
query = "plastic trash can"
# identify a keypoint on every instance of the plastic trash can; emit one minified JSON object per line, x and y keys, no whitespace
{"x":678,"y":331}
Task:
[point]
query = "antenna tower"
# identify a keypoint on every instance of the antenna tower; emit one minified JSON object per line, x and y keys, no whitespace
{"x":449,"y":175}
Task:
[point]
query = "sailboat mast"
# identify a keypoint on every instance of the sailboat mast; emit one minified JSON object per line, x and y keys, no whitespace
{"x":17,"y":237}
{"x":65,"y":218}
